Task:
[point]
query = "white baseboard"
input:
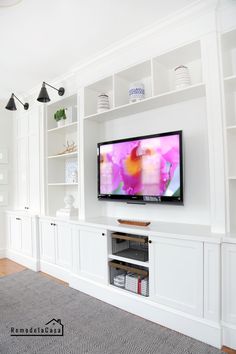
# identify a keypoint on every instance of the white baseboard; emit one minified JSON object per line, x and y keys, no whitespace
{"x":26,"y":261}
{"x":2,"y":253}
{"x":198,"y":328}
{"x":229,"y":335}
{"x":55,"y":271}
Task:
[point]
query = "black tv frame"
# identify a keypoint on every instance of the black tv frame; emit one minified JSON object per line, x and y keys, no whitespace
{"x":138,"y":199}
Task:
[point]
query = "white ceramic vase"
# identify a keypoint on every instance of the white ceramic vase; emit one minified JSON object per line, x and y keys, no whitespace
{"x":61,"y":123}
{"x":182,"y":77}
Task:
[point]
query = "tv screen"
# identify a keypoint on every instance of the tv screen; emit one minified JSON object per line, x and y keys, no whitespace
{"x":142,"y":169}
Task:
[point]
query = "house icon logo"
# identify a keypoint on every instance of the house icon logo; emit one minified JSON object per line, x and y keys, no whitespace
{"x":52,"y":328}
{"x":55,"y":327}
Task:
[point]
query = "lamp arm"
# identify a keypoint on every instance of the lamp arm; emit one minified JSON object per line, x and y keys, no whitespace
{"x":50,"y":86}
{"x":18,"y":99}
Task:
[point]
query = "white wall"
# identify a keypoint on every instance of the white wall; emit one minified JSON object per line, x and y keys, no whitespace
{"x":6,"y":141}
{"x":191,"y":118}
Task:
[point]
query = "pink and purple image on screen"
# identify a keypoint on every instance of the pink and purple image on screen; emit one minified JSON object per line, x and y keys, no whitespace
{"x":146,"y":166}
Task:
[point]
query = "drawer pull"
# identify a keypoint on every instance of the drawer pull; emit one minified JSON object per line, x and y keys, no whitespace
{"x":18,"y":218}
{"x":150,"y":241}
{"x":103,"y":234}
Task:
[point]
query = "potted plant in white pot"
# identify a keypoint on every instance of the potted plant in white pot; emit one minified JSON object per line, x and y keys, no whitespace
{"x":60,"y":117}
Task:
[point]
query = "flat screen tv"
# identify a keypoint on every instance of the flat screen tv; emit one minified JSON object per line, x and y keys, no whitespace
{"x":146,"y":169}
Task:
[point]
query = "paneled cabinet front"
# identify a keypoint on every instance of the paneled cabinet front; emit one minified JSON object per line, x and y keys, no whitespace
{"x":92,"y":254}
{"x":20,"y":235}
{"x":56,"y":243}
{"x":28,"y":159}
{"x":176,"y":274}
{"x":47,"y":241}
{"x":229,"y":283}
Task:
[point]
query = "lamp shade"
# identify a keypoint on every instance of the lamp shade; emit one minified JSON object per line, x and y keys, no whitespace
{"x":11,"y":106}
{"x":43,"y":95}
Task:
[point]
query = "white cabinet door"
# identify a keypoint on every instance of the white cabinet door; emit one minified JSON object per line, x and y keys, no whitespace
{"x":26,"y":236}
{"x":229,"y":282}
{"x":47,"y":241}
{"x":33,"y":160}
{"x":93,"y":255}
{"x":28,"y":160}
{"x":15,"y":233}
{"x":176,"y":274}
{"x":22,"y":172}
{"x":64,"y":245}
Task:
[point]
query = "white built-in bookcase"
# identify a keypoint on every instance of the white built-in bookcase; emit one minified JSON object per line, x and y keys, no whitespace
{"x":228,"y":41}
{"x":157,"y":75}
{"x":126,"y":119}
{"x":56,"y":139}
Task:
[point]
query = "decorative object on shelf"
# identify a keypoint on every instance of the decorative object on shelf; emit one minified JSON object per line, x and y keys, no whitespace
{"x":119,"y":280}
{"x":69,"y":115}
{"x":60,"y":117}
{"x":103,"y":103}
{"x":43,"y":94}
{"x":145,"y":287}
{"x":69,"y":148}
{"x":136,"y":92}
{"x":134,"y":222}
{"x":182,"y":77}
{"x":71,"y":171}
{"x":11,"y":105}
{"x":69,"y":209}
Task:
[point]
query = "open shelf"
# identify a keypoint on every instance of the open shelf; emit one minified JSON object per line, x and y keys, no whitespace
{"x":230,"y":100}
{"x":228,"y":41}
{"x":168,"y":98}
{"x":62,"y":184}
{"x":69,"y":103}
{"x":231,"y":129}
{"x":63,"y":156}
{"x":164,"y":67}
{"x":232,"y":205}
{"x":92,"y":92}
{"x":67,"y":128}
{"x":229,"y":53}
{"x":61,"y":169}
{"x":230,"y":82}
{"x":140,"y":73}
{"x":129,"y":247}
{"x":129,"y":277}
{"x":131,"y":261}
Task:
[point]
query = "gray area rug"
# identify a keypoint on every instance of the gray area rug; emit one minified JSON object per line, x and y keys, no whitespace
{"x":28,"y":299}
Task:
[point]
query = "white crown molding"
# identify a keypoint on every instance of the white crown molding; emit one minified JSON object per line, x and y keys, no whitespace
{"x":185,"y":15}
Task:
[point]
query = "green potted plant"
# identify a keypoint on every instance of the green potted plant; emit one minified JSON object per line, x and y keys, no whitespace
{"x":60,"y":117}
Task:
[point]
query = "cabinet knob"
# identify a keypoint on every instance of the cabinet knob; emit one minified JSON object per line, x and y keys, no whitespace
{"x":103,"y":234}
{"x":18,"y":218}
{"x":150,"y":241}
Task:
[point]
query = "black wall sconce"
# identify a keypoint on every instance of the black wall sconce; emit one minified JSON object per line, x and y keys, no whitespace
{"x":43,"y":94}
{"x":11,"y":105}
